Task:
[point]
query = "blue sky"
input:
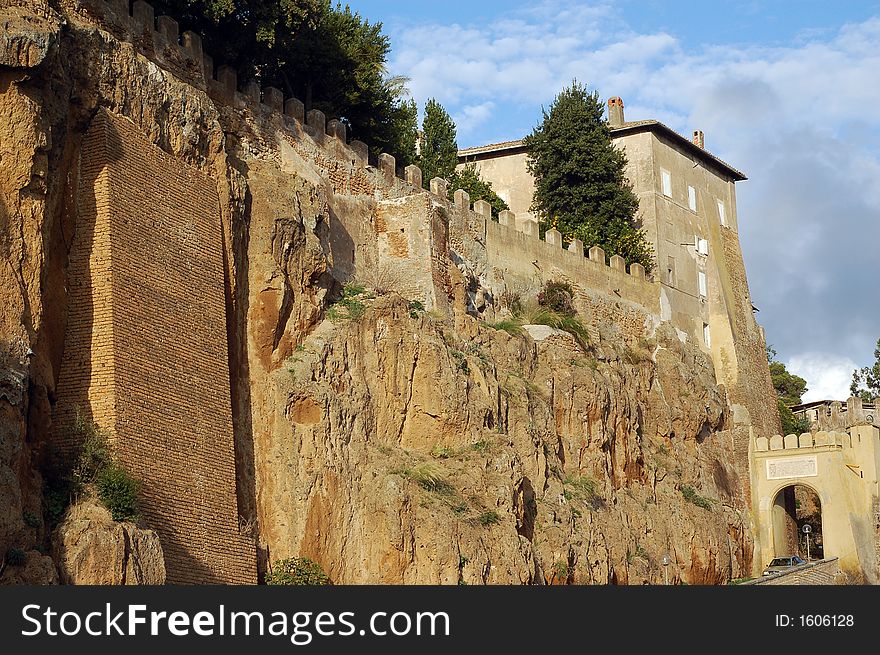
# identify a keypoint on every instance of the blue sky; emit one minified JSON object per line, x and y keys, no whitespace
{"x":788,"y":92}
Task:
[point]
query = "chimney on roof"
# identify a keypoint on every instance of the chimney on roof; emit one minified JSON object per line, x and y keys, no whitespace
{"x":699,"y":139}
{"x":615,"y":111}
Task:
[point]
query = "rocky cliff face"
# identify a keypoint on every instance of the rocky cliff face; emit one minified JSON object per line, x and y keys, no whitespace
{"x":410,"y":449}
{"x":395,"y":447}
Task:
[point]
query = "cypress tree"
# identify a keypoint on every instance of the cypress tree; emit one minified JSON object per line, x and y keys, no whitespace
{"x":580,"y":187}
{"x":439,"y":147}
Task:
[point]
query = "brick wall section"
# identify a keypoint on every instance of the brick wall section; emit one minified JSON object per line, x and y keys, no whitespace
{"x":86,"y":382}
{"x":172,"y":418}
{"x":824,"y":572}
{"x":755,"y":390}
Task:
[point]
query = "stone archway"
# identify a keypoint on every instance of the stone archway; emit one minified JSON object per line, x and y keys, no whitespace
{"x":841,"y":468}
{"x":795,"y":506}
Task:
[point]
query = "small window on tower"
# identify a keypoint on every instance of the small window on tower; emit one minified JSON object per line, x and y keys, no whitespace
{"x":702,"y":246}
{"x":721,"y":215}
{"x":703,"y":287}
{"x":670,"y":271}
{"x":692,"y":198}
{"x":707,"y":339}
{"x":666,"y":182}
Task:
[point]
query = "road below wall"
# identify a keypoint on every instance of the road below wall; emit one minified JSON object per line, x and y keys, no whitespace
{"x":822,"y":572}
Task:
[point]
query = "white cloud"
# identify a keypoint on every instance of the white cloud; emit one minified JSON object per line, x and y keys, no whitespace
{"x":828,"y":375}
{"x":472,"y":116}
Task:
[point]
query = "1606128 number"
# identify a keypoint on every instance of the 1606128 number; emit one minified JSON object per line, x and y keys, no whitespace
{"x":825,"y":620}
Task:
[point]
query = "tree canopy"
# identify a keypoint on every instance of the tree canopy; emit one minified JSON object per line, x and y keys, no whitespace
{"x":866,"y":380}
{"x":468,"y":179}
{"x":328,"y":56}
{"x":438,"y":157}
{"x":580,"y":187}
{"x":790,"y":389}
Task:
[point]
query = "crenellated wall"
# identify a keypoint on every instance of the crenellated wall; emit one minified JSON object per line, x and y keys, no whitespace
{"x":509,"y":252}
{"x":843,"y":468}
{"x":381,"y":221}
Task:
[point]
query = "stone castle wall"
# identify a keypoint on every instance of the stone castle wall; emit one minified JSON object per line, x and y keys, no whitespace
{"x":347,"y":168}
{"x":146,"y":349}
{"x":410,"y":232}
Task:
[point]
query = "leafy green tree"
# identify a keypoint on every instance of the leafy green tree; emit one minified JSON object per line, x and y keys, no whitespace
{"x":580,"y":187}
{"x":789,"y":390}
{"x":438,"y":155}
{"x":866,"y":380}
{"x":468,"y":179}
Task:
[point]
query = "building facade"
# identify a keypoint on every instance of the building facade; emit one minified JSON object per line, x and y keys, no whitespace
{"x":687,"y":208}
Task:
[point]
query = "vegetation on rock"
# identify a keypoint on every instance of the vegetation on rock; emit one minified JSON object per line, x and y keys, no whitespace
{"x":580,"y":187}
{"x":297,"y":571}
{"x":91,"y":466}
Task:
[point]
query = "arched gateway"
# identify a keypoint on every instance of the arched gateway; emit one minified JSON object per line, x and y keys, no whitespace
{"x":843,"y":469}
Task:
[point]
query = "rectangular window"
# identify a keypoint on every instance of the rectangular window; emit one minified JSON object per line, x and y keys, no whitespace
{"x":692,"y":198}
{"x":721,"y":215}
{"x":702,"y":246}
{"x":703,"y":288}
{"x":706,"y":336}
{"x":670,"y":271}
{"x":666,"y":181}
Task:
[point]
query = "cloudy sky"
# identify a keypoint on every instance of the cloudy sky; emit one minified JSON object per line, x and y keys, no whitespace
{"x":788,"y":92}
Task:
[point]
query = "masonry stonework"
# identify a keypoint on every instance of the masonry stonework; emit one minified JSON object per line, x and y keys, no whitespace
{"x":146,"y":349}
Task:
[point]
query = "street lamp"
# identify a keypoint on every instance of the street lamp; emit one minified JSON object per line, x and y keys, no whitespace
{"x":807,"y":529}
{"x":665,"y":560}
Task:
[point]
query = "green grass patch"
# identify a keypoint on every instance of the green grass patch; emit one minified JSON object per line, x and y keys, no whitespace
{"x":583,"y":488}
{"x":512,"y":326}
{"x":482,"y":446}
{"x":487,"y":518}
{"x":443,"y":452}
{"x":297,"y":571}
{"x":350,"y":307}
{"x":429,"y":477}
{"x":690,"y":494}
{"x":461,"y":362}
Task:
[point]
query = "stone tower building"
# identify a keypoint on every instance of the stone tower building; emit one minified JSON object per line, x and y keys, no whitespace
{"x":687,"y":207}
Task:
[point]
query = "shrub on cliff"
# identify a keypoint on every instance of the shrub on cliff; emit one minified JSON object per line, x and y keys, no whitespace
{"x":580,"y":187}
{"x":118,"y":492}
{"x":297,"y":571}
{"x":557,"y":296}
{"x":91,"y":468}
